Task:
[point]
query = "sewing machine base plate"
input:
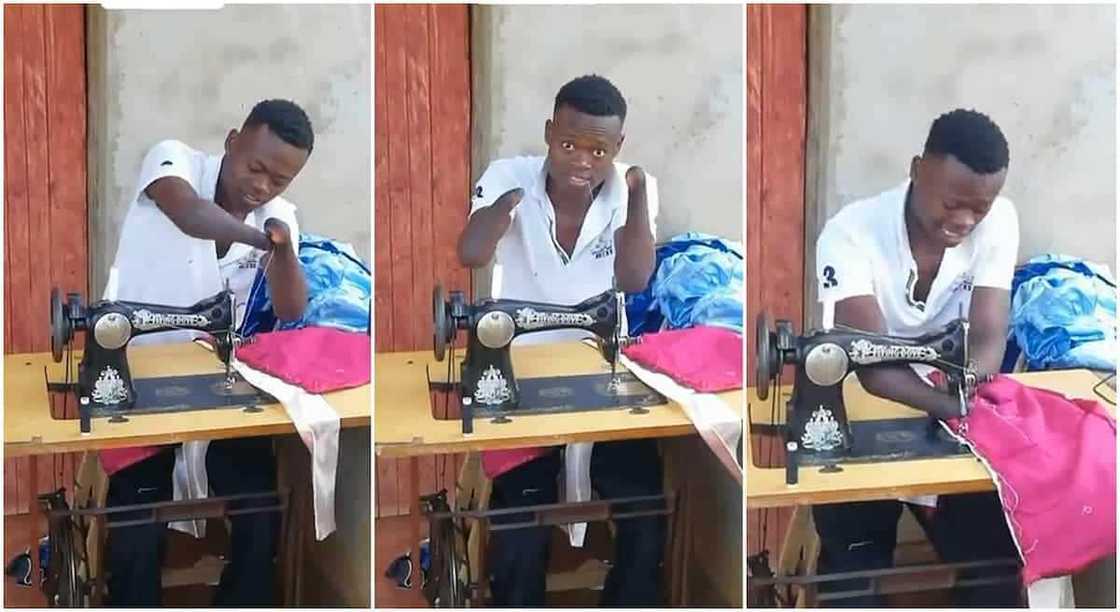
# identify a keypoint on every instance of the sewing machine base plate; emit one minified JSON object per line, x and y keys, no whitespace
{"x":589,"y":392}
{"x":891,"y":440}
{"x":884,"y":440}
{"x":186,"y":393}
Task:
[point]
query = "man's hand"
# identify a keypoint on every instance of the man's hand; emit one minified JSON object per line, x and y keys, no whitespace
{"x":636,"y":182}
{"x":634,"y":259}
{"x":286,"y":285}
{"x":279,"y":234}
{"x":486,"y":227}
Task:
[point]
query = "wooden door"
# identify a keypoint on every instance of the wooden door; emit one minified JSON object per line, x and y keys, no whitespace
{"x":45,"y":219}
{"x":422,"y":106}
{"x":776,"y":124}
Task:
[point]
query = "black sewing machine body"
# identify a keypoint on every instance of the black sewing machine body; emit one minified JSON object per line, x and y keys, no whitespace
{"x":104,"y":383}
{"x":487,"y":380}
{"x":818,"y":430}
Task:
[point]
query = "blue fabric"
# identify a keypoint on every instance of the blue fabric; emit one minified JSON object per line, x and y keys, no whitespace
{"x":339,"y":288}
{"x":698,"y":280}
{"x":1063,"y":315}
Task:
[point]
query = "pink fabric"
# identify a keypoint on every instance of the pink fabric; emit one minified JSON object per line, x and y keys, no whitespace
{"x":1055,"y":463}
{"x":114,"y":460}
{"x":496,"y":463}
{"x":318,"y":359}
{"x":707,"y":359}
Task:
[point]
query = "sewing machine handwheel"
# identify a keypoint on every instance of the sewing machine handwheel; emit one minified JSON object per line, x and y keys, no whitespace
{"x":766,"y":356}
{"x":60,"y":325}
{"x":441,"y":323}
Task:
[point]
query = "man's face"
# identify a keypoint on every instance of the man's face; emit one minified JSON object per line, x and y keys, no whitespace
{"x":581,"y":148}
{"x":949,"y":199}
{"x":259,"y":166}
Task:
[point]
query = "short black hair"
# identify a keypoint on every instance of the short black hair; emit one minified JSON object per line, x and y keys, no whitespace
{"x":971,"y":137}
{"x":286,"y":119}
{"x":593,"y":95}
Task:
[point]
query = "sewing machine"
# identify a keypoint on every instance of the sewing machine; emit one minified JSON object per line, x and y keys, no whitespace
{"x":487,"y":383}
{"x":105,"y":385}
{"x":816,"y":428}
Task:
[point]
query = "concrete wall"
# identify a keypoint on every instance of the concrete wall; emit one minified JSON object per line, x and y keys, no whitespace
{"x":193,"y":75}
{"x":679,"y":67}
{"x":879,"y":75}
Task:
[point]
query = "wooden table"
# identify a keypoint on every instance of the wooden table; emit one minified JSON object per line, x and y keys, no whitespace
{"x":29,"y":429}
{"x":766,"y":487}
{"x":406,"y":427}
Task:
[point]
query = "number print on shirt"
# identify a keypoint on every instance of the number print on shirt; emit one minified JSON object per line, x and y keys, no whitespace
{"x":478,"y":192}
{"x":829,"y":274}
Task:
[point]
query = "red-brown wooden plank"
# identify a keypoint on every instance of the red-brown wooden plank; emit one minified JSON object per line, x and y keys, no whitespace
{"x":45,"y":241}
{"x":776,"y":78}
{"x":385,"y":503}
{"x":422,"y":157}
{"x":15,"y":230}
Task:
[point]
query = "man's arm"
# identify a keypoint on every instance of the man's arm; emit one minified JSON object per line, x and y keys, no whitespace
{"x":634,"y":259}
{"x":898,"y":383}
{"x":287,"y":286}
{"x":485,"y":228}
{"x":201,"y":218}
{"x":987,"y":330}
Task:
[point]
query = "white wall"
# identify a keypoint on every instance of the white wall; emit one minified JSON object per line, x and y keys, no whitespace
{"x":1046,"y":74}
{"x":680,"y":69}
{"x":193,"y":75}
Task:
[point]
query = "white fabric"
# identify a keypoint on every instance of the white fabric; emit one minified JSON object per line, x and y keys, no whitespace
{"x":317,"y":424}
{"x":1051,"y":593}
{"x":864,"y":250}
{"x":158,"y":263}
{"x":719,"y":425}
{"x":529,"y":264}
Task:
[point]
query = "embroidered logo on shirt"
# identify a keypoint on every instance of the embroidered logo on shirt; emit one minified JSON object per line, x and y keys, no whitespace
{"x":166,"y":162}
{"x":964,"y":283}
{"x":603,"y":248}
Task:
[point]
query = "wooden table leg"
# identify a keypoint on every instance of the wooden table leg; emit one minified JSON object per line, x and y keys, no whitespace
{"x":416,"y":518}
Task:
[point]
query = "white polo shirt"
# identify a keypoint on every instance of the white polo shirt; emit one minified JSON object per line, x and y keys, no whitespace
{"x":157,"y":263}
{"x":865,"y":250}
{"x":529,"y":263}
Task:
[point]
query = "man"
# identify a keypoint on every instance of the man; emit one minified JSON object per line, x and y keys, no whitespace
{"x":904,"y":263}
{"x":561,"y":229}
{"x":197,"y":222}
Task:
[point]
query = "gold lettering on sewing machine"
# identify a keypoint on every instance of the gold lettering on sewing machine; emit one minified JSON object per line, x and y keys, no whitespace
{"x":865,"y":352}
{"x":144,"y":320}
{"x":529,"y":318}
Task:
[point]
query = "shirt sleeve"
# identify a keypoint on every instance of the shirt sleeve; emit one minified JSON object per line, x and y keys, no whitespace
{"x":498,"y":179}
{"x":652,"y":204}
{"x":167,"y":158}
{"x":843,"y":266}
{"x":996,"y":265}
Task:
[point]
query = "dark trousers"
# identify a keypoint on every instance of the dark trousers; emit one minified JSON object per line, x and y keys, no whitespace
{"x":518,"y":558}
{"x":135,"y":554}
{"x":862,"y":536}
